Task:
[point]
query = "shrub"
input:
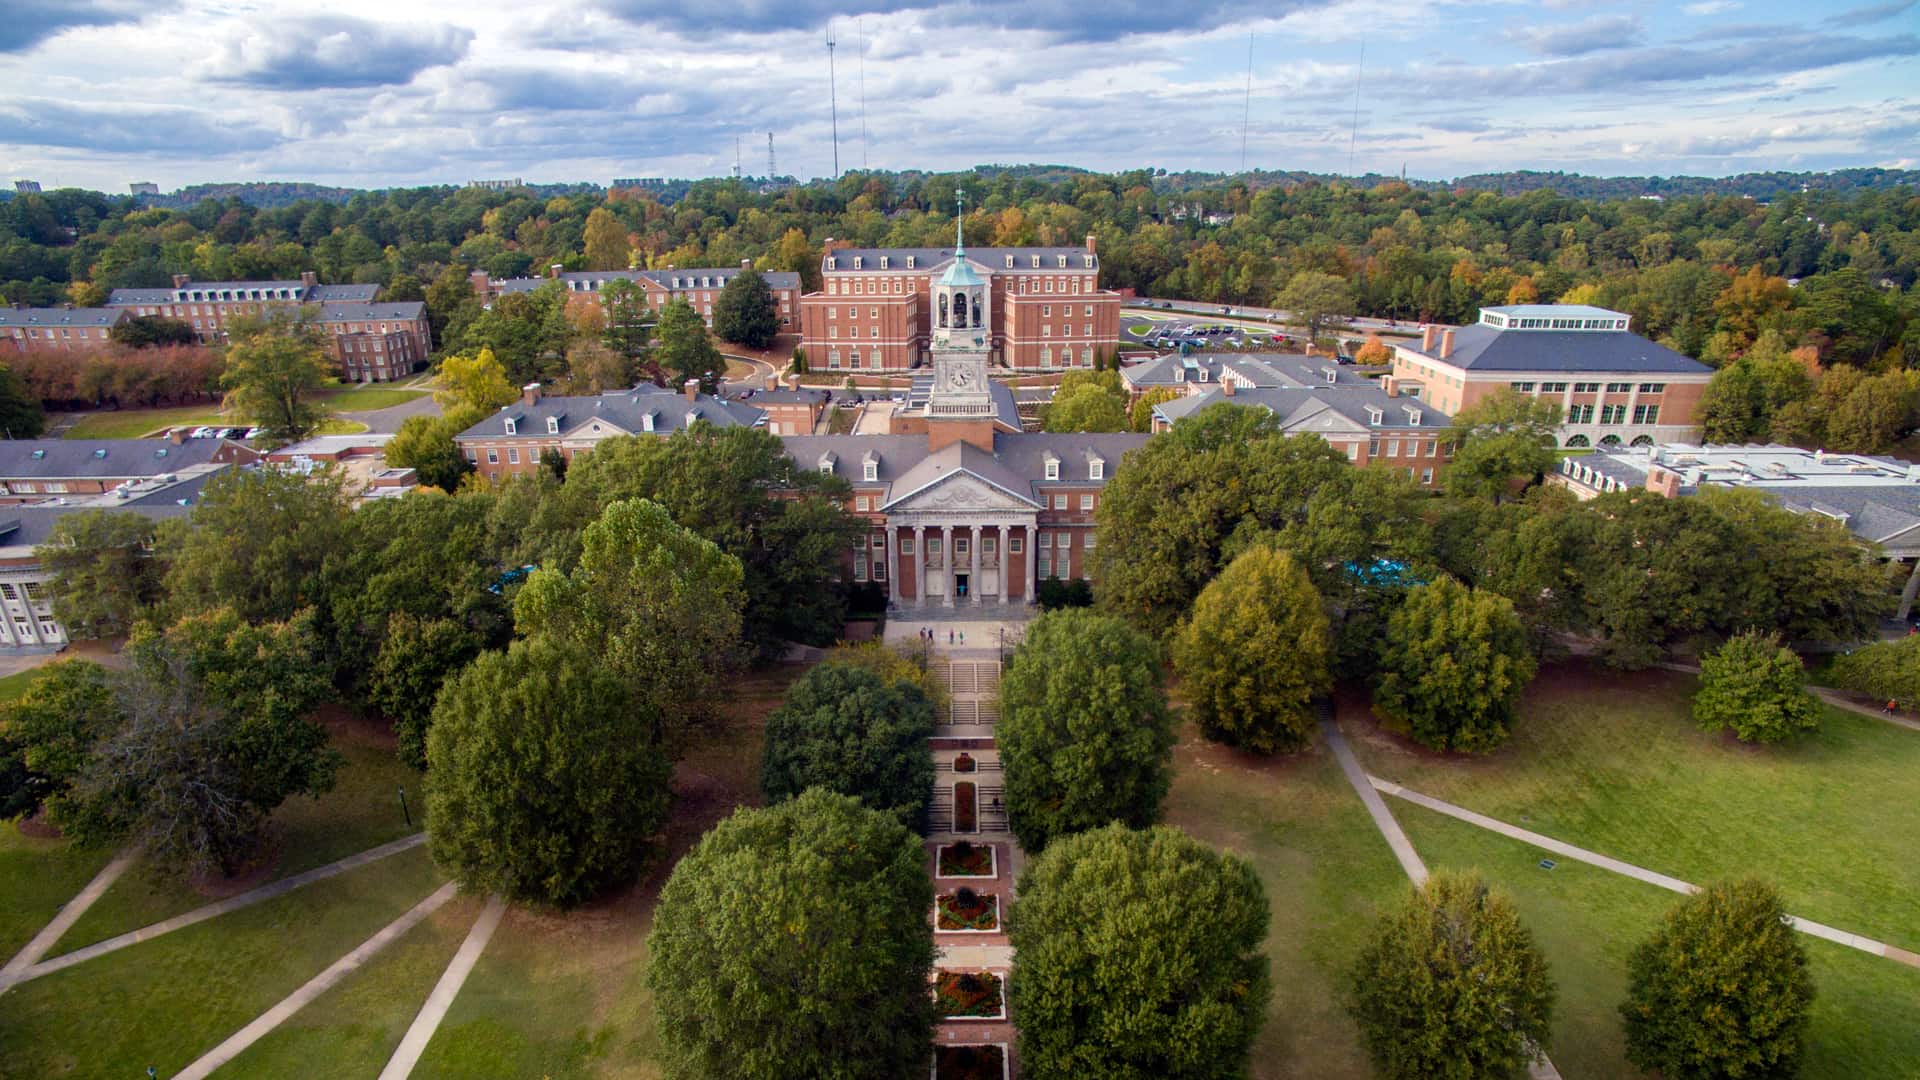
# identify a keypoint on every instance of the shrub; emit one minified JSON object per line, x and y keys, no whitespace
{"x":1888,"y":670}
{"x":1754,"y":685}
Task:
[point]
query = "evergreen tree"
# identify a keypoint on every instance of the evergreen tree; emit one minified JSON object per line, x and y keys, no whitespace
{"x":745,"y":312}
{"x":683,"y":349}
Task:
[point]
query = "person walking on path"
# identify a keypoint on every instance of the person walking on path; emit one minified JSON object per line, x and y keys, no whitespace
{"x":949,"y":637}
{"x":963,"y":637}
{"x":1893,"y":706}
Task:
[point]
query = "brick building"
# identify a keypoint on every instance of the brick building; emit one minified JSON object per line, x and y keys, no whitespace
{"x":47,"y":470}
{"x":516,"y":438}
{"x":1614,"y":386}
{"x":67,"y":328}
{"x":878,"y":310}
{"x":371,"y":342}
{"x":699,"y":288}
{"x":1361,"y":422}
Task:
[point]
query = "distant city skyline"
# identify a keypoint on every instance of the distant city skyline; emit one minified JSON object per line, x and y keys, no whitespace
{"x":104,"y":93}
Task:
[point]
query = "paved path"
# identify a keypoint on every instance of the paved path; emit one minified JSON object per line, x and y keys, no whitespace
{"x":1836,"y":698}
{"x":1382,"y":817}
{"x":1605,"y":862}
{"x":420,"y":1033}
{"x":62,"y":922}
{"x":390,"y":418}
{"x":222,"y":907}
{"x":1541,"y":1067}
{"x":237,"y":1043}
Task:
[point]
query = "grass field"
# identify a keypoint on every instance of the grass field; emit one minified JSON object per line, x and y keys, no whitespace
{"x":1326,"y":872}
{"x":1613,"y":762}
{"x":363,"y":398}
{"x":362,"y":811}
{"x":135,"y":423}
{"x":166,"y":1001}
{"x":1866,"y":1015}
{"x":17,"y":683}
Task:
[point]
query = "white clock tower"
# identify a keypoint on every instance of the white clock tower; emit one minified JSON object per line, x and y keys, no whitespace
{"x":962,"y":337}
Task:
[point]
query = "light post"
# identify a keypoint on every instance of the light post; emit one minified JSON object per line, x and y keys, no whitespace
{"x":403,"y":808}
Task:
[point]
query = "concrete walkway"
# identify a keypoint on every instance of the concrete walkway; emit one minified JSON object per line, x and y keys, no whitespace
{"x":1376,"y":806}
{"x":213,"y":910}
{"x":420,"y":1033}
{"x":1638,"y":873}
{"x":62,"y":922}
{"x":1541,"y":1067}
{"x":237,"y":1043}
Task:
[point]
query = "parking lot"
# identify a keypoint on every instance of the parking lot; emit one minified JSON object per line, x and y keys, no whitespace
{"x":1170,"y":333}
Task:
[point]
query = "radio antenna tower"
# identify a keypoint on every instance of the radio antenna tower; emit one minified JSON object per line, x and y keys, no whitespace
{"x":771,"y":171}
{"x":1353,"y":134}
{"x":860,"y":26}
{"x":1246,"y":110}
{"x":736,"y":157}
{"x":833,"y":102}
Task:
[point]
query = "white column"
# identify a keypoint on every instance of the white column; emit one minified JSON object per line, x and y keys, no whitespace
{"x":920,"y":564}
{"x":1006,"y":567}
{"x":946,"y":560}
{"x":893,"y":566}
{"x":973,"y":571}
{"x":1033,"y":564}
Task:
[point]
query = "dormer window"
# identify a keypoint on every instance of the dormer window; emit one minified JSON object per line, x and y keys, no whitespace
{"x":1086,"y":261}
{"x":1374,"y":415}
{"x":826,"y":464}
{"x":857,"y":260}
{"x":512,"y":426}
{"x":1413,"y":417}
{"x":1053,"y":467}
{"x":1062,"y":262}
{"x":1033,"y":261}
{"x":870,"y":471}
{"x":1009,"y":262}
{"x":553,"y":425}
{"x":883,"y":262}
{"x":1096,"y":469}
{"x":1205,"y":375}
{"x":833,"y":263}
{"x":646,"y":421}
{"x":910,"y":261}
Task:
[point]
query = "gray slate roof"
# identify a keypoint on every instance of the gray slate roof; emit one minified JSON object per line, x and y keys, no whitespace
{"x":1018,"y":461}
{"x":994,"y":259}
{"x":86,"y":316}
{"x":626,"y":409}
{"x":404,"y":311}
{"x":1295,"y":405}
{"x":318,"y":294}
{"x":30,"y":526}
{"x":1484,"y":348}
{"x":1249,"y":369}
{"x":343,"y":294}
{"x":59,"y":459}
{"x":591,"y":280}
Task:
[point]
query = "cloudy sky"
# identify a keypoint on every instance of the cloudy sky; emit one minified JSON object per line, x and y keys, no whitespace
{"x":98,"y":93}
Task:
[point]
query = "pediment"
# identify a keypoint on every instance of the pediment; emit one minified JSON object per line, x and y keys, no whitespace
{"x":1319,"y":418}
{"x":961,"y":490}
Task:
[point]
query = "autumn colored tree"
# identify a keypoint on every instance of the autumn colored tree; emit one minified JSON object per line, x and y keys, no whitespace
{"x":606,"y":241}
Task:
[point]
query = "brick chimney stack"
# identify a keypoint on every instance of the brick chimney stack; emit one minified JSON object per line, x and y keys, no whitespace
{"x":1092,"y":245}
{"x":692,"y":389}
{"x":1446,"y":343}
{"x":1226,"y":387}
{"x":180,"y":281}
{"x":309,"y":278}
{"x":746,"y":264}
{"x":530,"y":394}
{"x":553,"y":271}
{"x":482,"y":284}
{"x":1427,"y":334}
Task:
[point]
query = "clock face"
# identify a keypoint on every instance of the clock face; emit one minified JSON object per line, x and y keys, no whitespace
{"x":960,"y":377}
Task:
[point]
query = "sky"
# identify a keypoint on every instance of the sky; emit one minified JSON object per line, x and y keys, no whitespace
{"x":376,"y":93}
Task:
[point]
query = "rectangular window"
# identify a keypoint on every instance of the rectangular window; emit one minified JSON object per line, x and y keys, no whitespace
{"x":1353,"y":451}
{"x":961,"y":546}
{"x":1088,"y":544}
{"x":1646,"y":414}
{"x":933,"y":545}
{"x":906,"y":545}
{"x":1063,"y":541}
{"x":1653,"y":388}
{"x":1619,"y":388}
{"x":533,"y":455}
{"x":1426,"y":476}
{"x":1086,"y":502}
{"x":1059,"y":502}
{"x":1613,"y":414}
{"x":513,"y":455}
{"x":860,"y":567}
{"x":1523,"y":387}
{"x":1393,"y":447}
{"x":1433,"y":447}
{"x":1580,"y":414}
{"x":493,"y":457}
{"x":1046,"y":540}
{"x":1045,"y":564}
{"x":860,"y":502}
{"x":1015,"y":545}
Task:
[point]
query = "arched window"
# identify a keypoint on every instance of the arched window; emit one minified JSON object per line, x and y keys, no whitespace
{"x":960,"y":309}
{"x":1609,"y":440}
{"x":943,"y":309}
{"x":1577,"y":441}
{"x":1643,"y":440}
{"x":977,"y":305}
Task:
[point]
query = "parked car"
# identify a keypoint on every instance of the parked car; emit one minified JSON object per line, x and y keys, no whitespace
{"x":255,"y":432}
{"x":200,"y":433}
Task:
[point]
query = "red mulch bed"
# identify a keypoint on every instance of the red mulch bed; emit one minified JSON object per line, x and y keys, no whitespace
{"x":969,"y":1063}
{"x":971,"y":993}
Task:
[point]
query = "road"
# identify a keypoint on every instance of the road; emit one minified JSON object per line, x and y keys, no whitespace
{"x":1263,"y":316}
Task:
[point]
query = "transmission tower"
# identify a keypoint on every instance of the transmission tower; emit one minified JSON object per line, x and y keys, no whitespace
{"x":771,"y":171}
{"x":833,"y":103}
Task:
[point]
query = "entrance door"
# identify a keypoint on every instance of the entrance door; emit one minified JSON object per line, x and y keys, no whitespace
{"x":965,"y":810}
{"x":960,"y":584}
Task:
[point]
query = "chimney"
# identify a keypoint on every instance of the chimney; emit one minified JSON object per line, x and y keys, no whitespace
{"x":553,"y":271}
{"x":1427,"y":333}
{"x":180,"y":281}
{"x":530,"y":394}
{"x":746,"y":264}
{"x":1226,"y":387}
{"x":177,"y":436}
{"x":482,"y":284}
{"x":1446,"y":343}
{"x":309,"y":278}
{"x":692,"y":389}
{"x":1092,"y":245}
{"x":793,"y":382}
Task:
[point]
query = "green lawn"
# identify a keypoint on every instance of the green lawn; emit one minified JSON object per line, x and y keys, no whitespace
{"x":1326,"y":871}
{"x":167,"y":1001}
{"x":1866,"y":1018}
{"x":362,"y":398}
{"x":16,"y":684}
{"x":1612,"y":762}
{"x":37,"y":878}
{"x":136,"y":423}
{"x":355,"y":1026}
{"x":362,"y":811}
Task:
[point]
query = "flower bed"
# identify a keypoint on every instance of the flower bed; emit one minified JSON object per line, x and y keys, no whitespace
{"x":979,"y":1061}
{"x":965,"y":860}
{"x":966,"y":910}
{"x":969,"y":995}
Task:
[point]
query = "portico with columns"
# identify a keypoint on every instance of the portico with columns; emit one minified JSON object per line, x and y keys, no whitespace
{"x":962,"y":543}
